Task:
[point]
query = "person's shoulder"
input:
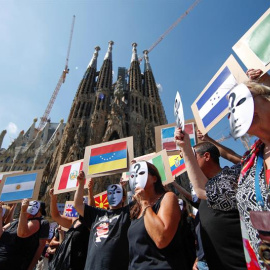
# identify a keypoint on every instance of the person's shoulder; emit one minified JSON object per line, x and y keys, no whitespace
{"x":169,"y":197}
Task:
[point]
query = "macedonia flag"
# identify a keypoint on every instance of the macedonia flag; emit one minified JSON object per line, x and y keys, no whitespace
{"x":101,"y":200}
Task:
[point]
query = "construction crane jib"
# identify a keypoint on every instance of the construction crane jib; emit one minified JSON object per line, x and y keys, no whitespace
{"x":61,"y":80}
{"x":171,"y":27}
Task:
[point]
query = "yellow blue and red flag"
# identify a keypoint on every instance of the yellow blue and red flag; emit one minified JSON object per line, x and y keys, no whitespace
{"x":108,"y":158}
{"x":177,"y":164}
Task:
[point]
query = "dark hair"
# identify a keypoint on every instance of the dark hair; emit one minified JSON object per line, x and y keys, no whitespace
{"x":152,"y":169}
{"x":204,"y":147}
{"x":42,"y":209}
{"x":158,"y":186}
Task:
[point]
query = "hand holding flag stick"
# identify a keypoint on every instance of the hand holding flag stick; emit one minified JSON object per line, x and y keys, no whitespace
{"x":81,"y":177}
{"x":182,"y":138}
{"x":52,"y":195}
{"x":25,"y":204}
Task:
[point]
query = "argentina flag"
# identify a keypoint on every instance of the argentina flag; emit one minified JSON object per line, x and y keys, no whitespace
{"x":18,"y":187}
{"x":213,"y":101}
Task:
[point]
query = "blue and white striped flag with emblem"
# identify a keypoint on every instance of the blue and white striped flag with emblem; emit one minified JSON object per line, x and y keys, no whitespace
{"x":18,"y":187}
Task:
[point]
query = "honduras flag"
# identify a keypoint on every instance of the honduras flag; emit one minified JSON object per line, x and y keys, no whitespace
{"x":18,"y":187}
{"x":213,"y":102}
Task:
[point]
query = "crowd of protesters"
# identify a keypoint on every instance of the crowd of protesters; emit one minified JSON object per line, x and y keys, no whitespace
{"x":231,"y":229}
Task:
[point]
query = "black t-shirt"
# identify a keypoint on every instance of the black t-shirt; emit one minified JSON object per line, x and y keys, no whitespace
{"x":16,"y":252}
{"x":221,"y":238}
{"x":144,"y":254}
{"x":108,"y":242}
{"x":44,"y":228}
{"x":71,"y":254}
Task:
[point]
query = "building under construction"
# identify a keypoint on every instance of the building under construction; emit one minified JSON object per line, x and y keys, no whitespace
{"x":102,"y":110}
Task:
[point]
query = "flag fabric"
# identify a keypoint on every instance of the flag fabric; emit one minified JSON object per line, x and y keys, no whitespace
{"x":108,"y":158}
{"x":158,"y":162}
{"x":5,"y":173}
{"x":18,"y":187}
{"x":70,"y":211}
{"x":177,"y":164}
{"x":69,"y":175}
{"x":213,"y":102}
{"x":167,"y":139}
{"x":190,"y":130}
{"x":258,"y":40}
{"x":101,"y":200}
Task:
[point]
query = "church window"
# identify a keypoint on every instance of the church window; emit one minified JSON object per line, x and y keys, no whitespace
{"x":8,"y":159}
{"x":28,"y":160}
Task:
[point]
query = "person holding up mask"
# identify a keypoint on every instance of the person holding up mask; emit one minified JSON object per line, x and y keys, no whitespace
{"x":155,"y":239}
{"x":108,"y":243}
{"x":19,"y":240}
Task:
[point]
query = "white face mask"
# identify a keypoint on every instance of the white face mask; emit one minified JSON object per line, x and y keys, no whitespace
{"x":241,"y":108}
{"x":138,"y":175}
{"x":33,"y":208}
{"x":114,"y":194}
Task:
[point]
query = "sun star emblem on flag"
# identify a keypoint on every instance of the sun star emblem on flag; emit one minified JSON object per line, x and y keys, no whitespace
{"x":18,"y":187}
{"x":101,"y":201}
{"x":176,"y":162}
{"x":73,"y":175}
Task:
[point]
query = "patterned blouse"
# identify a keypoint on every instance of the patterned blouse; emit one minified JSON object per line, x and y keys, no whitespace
{"x":246,"y":201}
{"x":221,"y":189}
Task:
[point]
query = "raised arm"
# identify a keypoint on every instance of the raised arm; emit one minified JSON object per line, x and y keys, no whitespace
{"x":224,"y":151}
{"x":182,"y":191}
{"x":162,"y":226}
{"x":10,"y":215}
{"x":255,"y":75}
{"x":78,"y":198}
{"x":26,"y":228}
{"x":195,"y":174}
{"x":91,"y":199}
{"x":62,"y":220}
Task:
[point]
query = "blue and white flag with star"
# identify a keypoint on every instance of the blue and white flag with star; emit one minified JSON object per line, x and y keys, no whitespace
{"x":213,"y":102}
{"x":18,"y":187}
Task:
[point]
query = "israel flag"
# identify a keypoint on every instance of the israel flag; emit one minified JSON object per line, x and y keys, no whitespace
{"x":213,"y":102}
{"x":18,"y":187}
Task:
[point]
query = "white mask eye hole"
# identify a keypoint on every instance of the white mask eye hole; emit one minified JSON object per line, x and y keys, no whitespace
{"x":142,"y":173}
{"x":241,"y":101}
{"x":132,"y":176}
{"x":229,"y":115}
{"x":118,"y":191}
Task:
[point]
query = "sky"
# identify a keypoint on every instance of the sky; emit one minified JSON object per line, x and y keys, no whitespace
{"x":34,"y":37}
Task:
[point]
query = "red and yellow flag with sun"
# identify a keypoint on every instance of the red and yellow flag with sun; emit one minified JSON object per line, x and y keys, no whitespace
{"x":101,"y":200}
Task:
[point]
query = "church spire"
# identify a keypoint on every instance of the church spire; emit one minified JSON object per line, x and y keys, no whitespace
{"x":135,"y":77}
{"x":146,"y":61}
{"x":93,"y":62}
{"x":134,"y":56}
{"x":105,"y":74}
{"x":108,"y":55}
{"x":2,"y":135}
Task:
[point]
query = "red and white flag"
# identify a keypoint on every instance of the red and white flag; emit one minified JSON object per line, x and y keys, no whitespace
{"x":69,"y":175}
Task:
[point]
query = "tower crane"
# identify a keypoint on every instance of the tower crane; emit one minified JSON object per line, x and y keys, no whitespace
{"x":61,"y":80}
{"x":172,"y":27}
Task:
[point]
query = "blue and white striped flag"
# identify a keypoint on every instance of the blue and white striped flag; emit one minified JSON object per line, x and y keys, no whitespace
{"x":18,"y":187}
{"x":213,"y":102}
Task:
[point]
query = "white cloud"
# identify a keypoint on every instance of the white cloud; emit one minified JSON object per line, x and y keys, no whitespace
{"x":12,"y":128}
{"x":160,"y":88}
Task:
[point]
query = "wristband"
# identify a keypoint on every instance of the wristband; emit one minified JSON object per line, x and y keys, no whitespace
{"x":144,"y":210}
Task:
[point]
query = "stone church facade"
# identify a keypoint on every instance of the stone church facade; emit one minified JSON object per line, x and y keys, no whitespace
{"x":102,"y":111}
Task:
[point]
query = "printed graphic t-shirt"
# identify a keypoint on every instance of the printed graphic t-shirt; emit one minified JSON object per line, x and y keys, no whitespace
{"x":108,"y":242}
